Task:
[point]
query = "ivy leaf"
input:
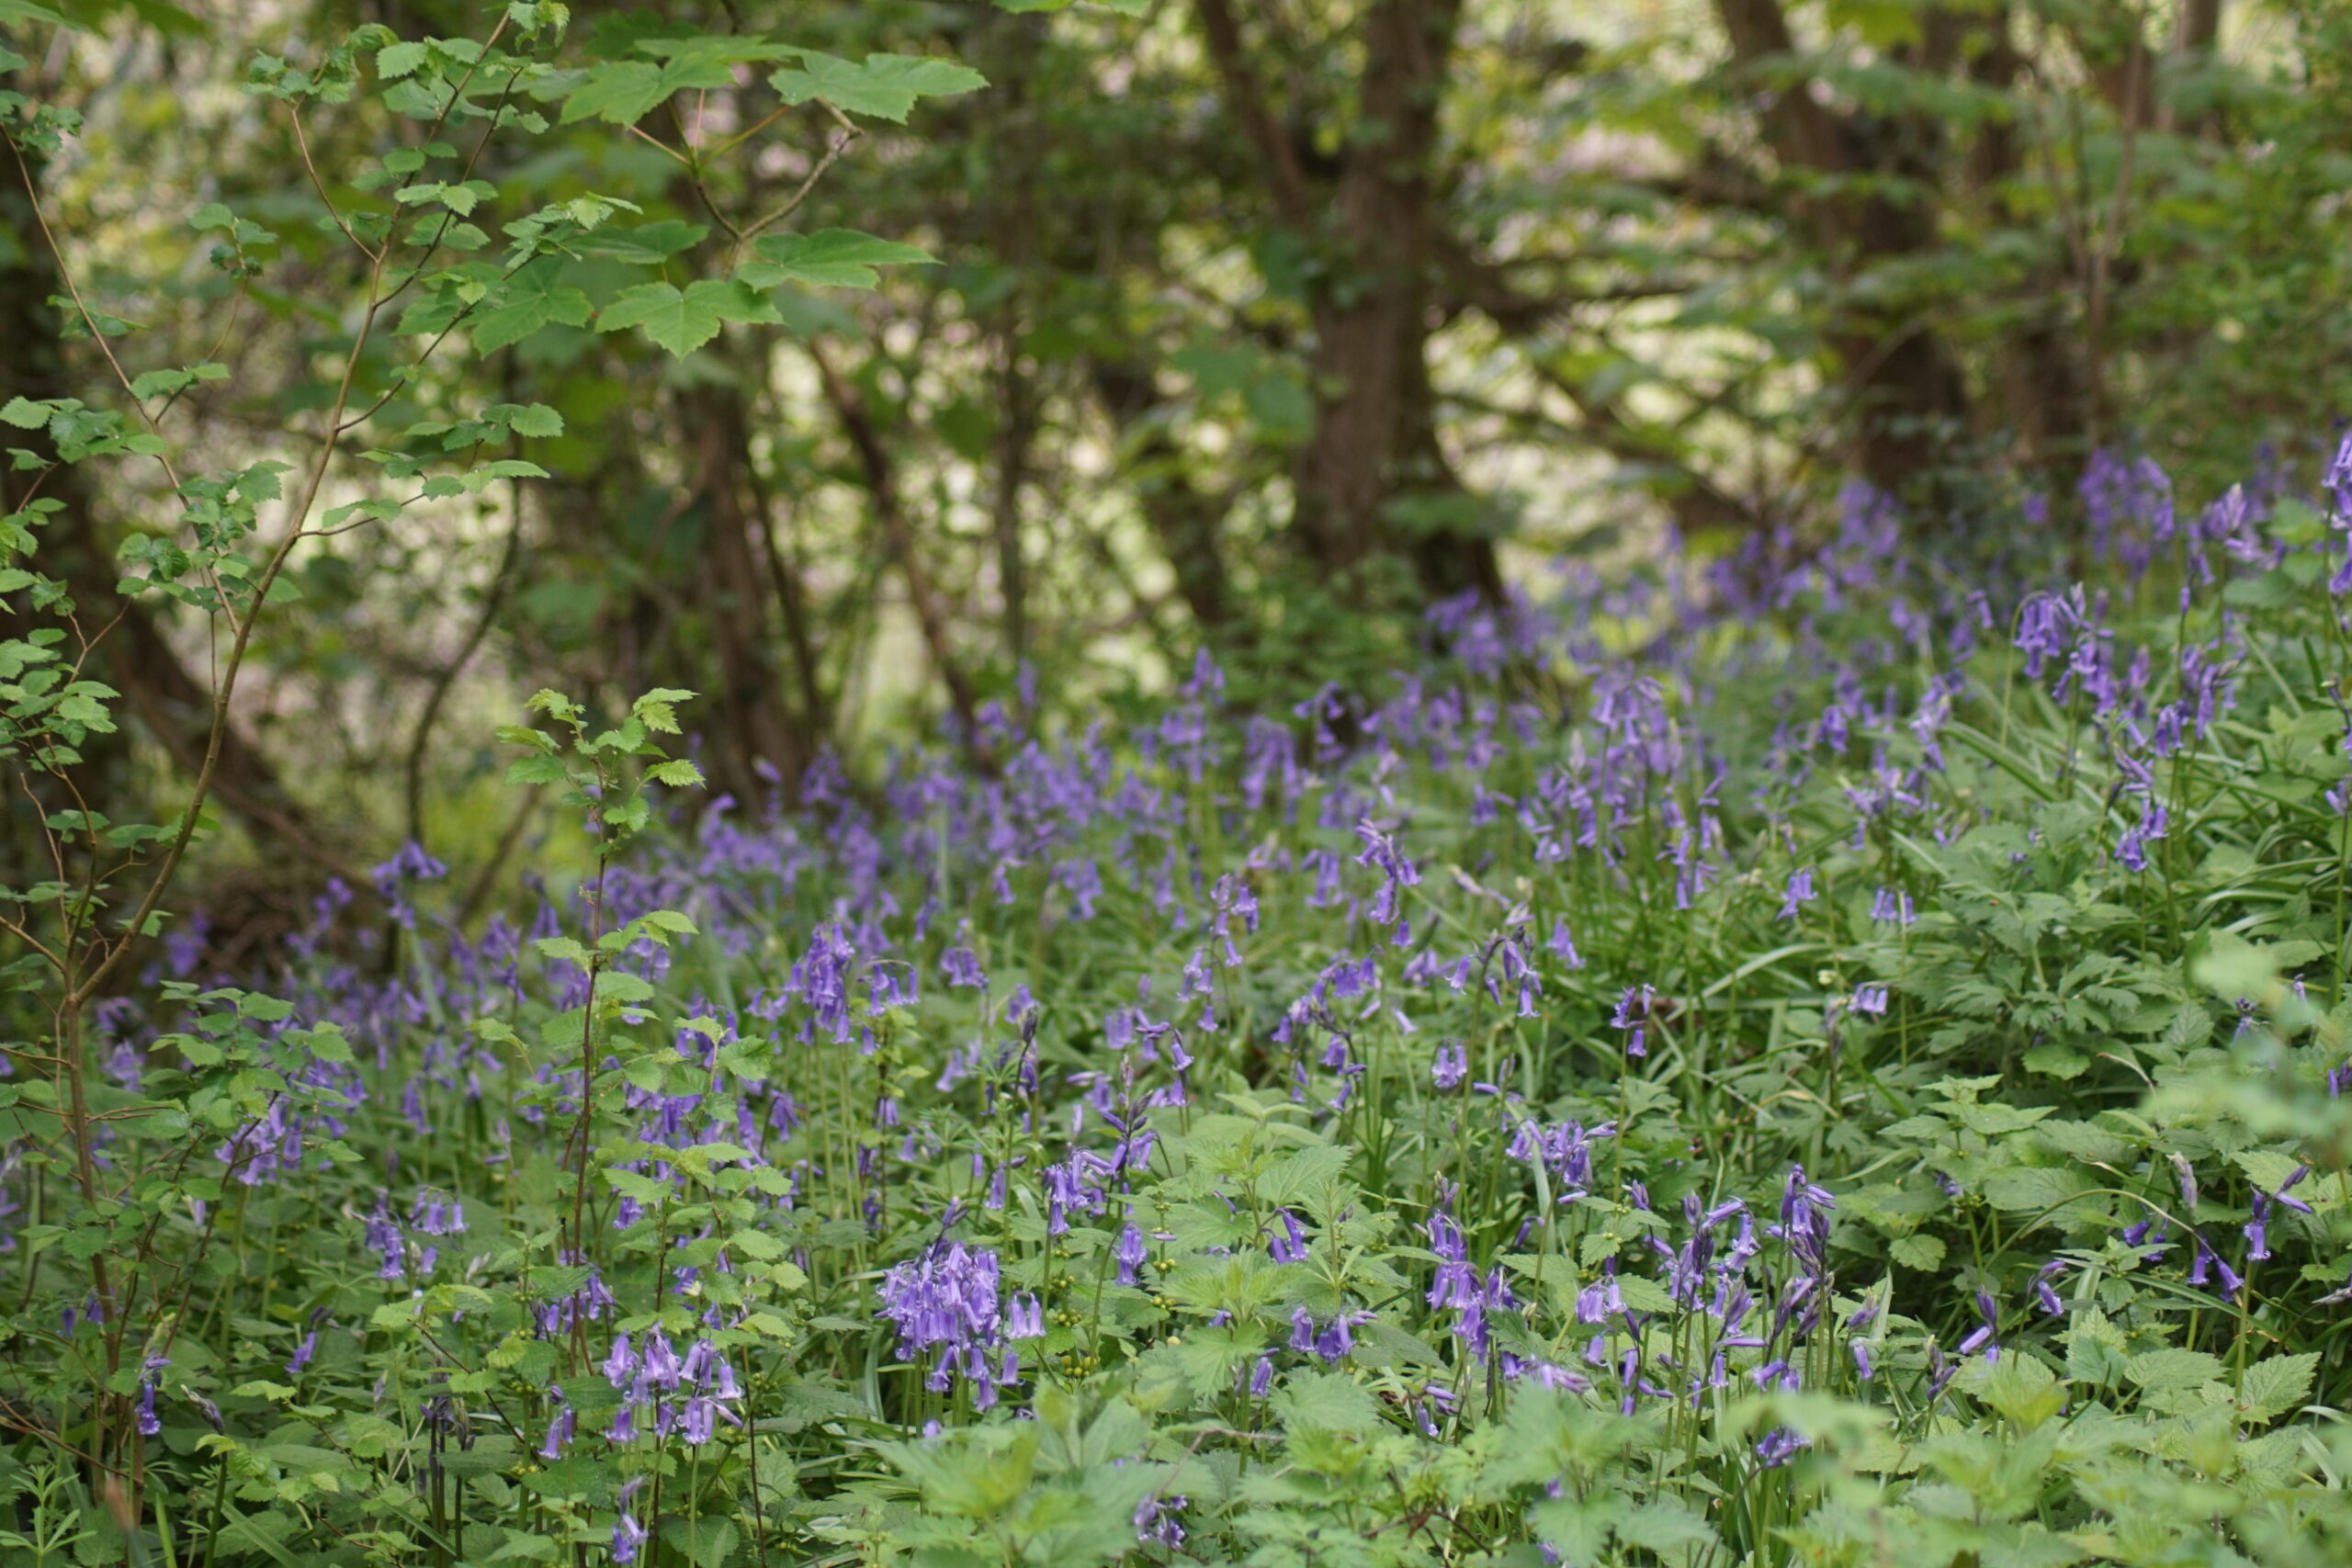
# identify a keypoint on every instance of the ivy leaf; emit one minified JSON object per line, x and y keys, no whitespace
{"x":834,"y":258}
{"x":683,"y":323}
{"x":885,"y":87}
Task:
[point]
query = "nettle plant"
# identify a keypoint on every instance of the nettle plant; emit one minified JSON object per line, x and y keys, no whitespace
{"x":129,"y":1168}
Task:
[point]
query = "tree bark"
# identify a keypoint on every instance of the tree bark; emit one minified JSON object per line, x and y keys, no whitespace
{"x":1373,"y":443}
{"x":732,"y":593}
{"x":1904,"y":384}
{"x":898,"y":535}
{"x":1186,"y":519}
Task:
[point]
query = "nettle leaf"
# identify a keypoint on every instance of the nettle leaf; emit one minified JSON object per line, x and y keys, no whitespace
{"x":1665,"y":1525}
{"x":835,"y":258}
{"x":885,"y":87}
{"x":2276,"y":1385}
{"x":2172,"y":1368}
{"x":682,"y":321}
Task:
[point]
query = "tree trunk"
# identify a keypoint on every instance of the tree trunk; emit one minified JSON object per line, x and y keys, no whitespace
{"x":1904,"y":384}
{"x":1374,"y":444}
{"x":731,"y":594}
{"x":1185,"y":519}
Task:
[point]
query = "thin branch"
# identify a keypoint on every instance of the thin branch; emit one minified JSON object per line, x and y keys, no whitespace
{"x":1292,"y":196}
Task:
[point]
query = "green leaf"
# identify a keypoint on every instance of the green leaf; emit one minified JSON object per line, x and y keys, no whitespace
{"x":395,"y":60}
{"x":2172,"y":1369}
{"x":1329,"y":1402}
{"x":619,"y":92}
{"x":705,"y":1541}
{"x":2276,"y":1385}
{"x":531,"y":301}
{"x":885,"y":87}
{"x":682,"y":322}
{"x":1925,"y":1253}
{"x":537,"y":421}
{"x":834,"y":258}
{"x":2021,"y":1188}
{"x":1577,"y":1531}
{"x":1665,"y":1525}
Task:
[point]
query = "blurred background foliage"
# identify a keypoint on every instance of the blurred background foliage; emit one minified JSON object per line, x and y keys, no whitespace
{"x":1264,"y":326}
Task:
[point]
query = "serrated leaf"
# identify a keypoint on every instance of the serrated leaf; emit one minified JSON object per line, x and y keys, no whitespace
{"x":395,"y":60}
{"x":1665,"y":1525}
{"x":683,"y":321}
{"x":537,"y":421}
{"x":618,"y":92}
{"x":832,"y":258}
{"x":1577,"y":1530}
{"x":2172,"y":1368}
{"x":531,"y":301}
{"x":1329,"y":1402}
{"x":2277,"y":1384}
{"x":2031,"y":1188}
{"x":1925,"y":1253}
{"x":885,"y":85}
